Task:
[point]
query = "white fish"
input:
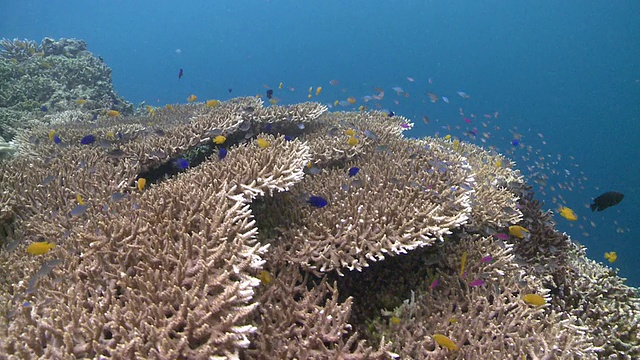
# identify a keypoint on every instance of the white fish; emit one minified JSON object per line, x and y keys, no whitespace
{"x":445,"y":99}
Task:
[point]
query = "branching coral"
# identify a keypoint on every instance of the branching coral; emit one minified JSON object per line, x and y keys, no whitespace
{"x":227,"y":257}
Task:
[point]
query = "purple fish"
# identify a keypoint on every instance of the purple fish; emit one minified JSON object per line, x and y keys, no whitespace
{"x":501,"y":236}
{"x":476,"y":282}
{"x":486,"y":259}
{"x":433,"y":284}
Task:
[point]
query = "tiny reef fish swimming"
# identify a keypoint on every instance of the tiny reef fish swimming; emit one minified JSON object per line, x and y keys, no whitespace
{"x":180,"y":73}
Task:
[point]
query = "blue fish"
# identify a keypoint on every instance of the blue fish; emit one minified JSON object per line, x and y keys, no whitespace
{"x":515,"y":142}
{"x":222,"y":153}
{"x":317,"y":201}
{"x":56,"y":139}
{"x":180,"y":74}
{"x":94,"y":117}
{"x":182,"y":163}
{"x":353,"y":171}
{"x":79,"y":210}
{"x":43,"y":108}
{"x":288,"y":138}
{"x":89,"y":139}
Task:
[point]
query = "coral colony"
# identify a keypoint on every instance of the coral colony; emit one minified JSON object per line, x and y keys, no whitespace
{"x":234,"y":229}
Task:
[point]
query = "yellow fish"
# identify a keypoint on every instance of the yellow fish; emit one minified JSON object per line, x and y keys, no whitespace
{"x":192,"y":98}
{"x":169,"y":106}
{"x":518,"y":231}
{"x":113,"y":113}
{"x":351,"y":100}
{"x":534,"y":299}
{"x":567,"y":213}
{"x":141,"y":183}
{"x":444,"y":342}
{"x":318,"y":90}
{"x":349,"y":132}
{"x":456,"y":144}
{"x":352,"y":141}
{"x":280,"y":86}
{"x":80,"y":199}
{"x":40,"y":248}
{"x":81,"y":102}
{"x":219,"y":139}
{"x":463,"y":262}
{"x":447,"y":137}
{"x":265,"y":277}
{"x":52,"y":133}
{"x":499,"y":163}
{"x":611,"y":256}
{"x":335,"y":103}
{"x":150,"y":110}
{"x":394,"y":320}
{"x":263,"y":143}
{"x":212,"y":103}
{"x":309,"y":96}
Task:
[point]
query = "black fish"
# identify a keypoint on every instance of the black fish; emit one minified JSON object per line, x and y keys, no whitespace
{"x":230,"y":90}
{"x":180,"y":73}
{"x":606,"y":200}
{"x":269,"y":93}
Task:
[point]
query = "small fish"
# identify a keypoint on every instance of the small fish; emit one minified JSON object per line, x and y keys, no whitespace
{"x":534,"y":299}
{"x":192,"y":98}
{"x":79,"y":199}
{"x":370,"y":134}
{"x":352,"y":141}
{"x":518,"y":231}
{"x":81,"y":102}
{"x":180,"y":74}
{"x":222,"y":153}
{"x":353,"y":171}
{"x":351,"y":100}
{"x":433,"y":285}
{"x":182,"y":163}
{"x":318,"y":90}
{"x":349,"y":132}
{"x":220,"y":139}
{"x":141,"y":183}
{"x":264,"y":277}
{"x":611,"y":256}
{"x":515,"y":142}
{"x":87,"y":140}
{"x":116,"y":153}
{"x":501,"y":236}
{"x":606,"y":200}
{"x":463,"y":94}
{"x":40,"y":248}
{"x":445,"y":99}
{"x":269,"y":93}
{"x":567,"y":213}
{"x":113,"y":113}
{"x":44,"y":108}
{"x":230,"y":90}
{"x":115,"y":197}
{"x":394,"y":320}
{"x":425,"y":119}
{"x":212,"y":103}
{"x":463,"y":262}
{"x":487,"y":258}
{"x":476,"y":282}
{"x":263,"y":143}
{"x":317,"y":201}
{"x":79,"y":210}
{"x":444,"y":342}
{"x":47,"y":180}
{"x":280,"y":86}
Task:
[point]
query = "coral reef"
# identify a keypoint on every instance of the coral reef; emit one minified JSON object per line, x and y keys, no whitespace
{"x":228,"y":257}
{"x":55,"y":75}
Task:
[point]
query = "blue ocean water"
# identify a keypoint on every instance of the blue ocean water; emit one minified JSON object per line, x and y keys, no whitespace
{"x":561,"y":77}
